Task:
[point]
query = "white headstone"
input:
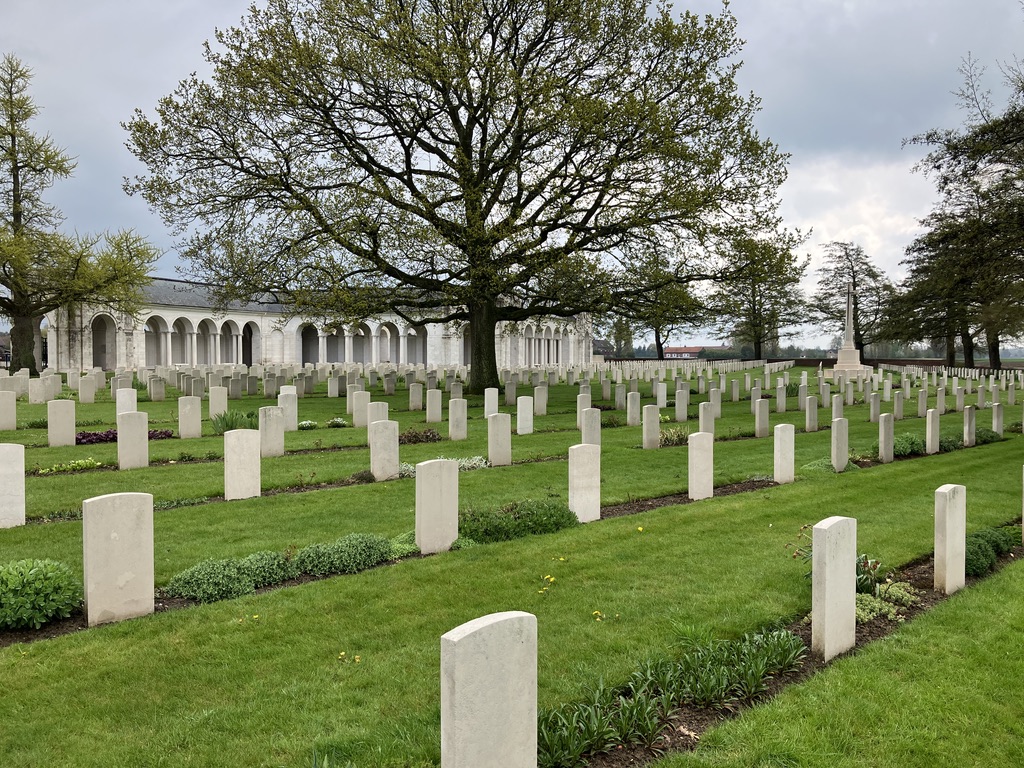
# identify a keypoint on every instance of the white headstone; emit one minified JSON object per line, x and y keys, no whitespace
{"x":360,"y":400}
{"x":117,"y":556}
{"x":383,"y":439}
{"x":700,"y":465}
{"x":127,"y":400}
{"x":931,"y":431}
{"x":950,"y":538}
{"x":272,"y":430}
{"x":60,"y":423}
{"x":457,"y":419}
{"x":585,"y":481}
{"x":12,"y":485}
{"x":885,"y":438}
{"x":190,"y":417}
{"x":834,"y":586}
{"x":133,"y":440}
{"x":433,"y":406}
{"x":785,"y":452}
{"x":499,"y":439}
{"x":524,"y":415}
{"x":289,"y":403}
{"x":652,"y":426}
{"x":840,"y":444}
{"x":489,"y":693}
{"x":437,"y":505}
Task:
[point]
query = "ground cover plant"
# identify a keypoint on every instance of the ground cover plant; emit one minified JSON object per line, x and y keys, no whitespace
{"x":269,"y":678}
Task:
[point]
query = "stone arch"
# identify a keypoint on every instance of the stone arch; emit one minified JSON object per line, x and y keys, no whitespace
{"x":181,"y":334}
{"x":206,"y":332}
{"x":361,"y":341}
{"x":335,"y":345}
{"x":103,"y":331}
{"x":155,"y":341}
{"x":275,"y":349}
{"x":251,"y":344}
{"x":416,"y":345}
{"x":388,"y":345}
{"x":309,"y":344}
{"x":229,"y":332}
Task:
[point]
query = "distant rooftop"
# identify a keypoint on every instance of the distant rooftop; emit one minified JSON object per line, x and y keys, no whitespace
{"x":163,"y":291}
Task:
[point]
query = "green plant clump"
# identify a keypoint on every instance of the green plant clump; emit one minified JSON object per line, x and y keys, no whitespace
{"x":267,"y":568}
{"x":984,"y":435}
{"x":949,"y":443}
{"x":674,"y":436}
{"x":33,"y":592}
{"x":229,"y":420}
{"x":515,"y":520}
{"x":979,"y":557}
{"x":211,"y":580}
{"x":349,"y":554}
{"x":908,"y":445}
{"x":404,"y":545}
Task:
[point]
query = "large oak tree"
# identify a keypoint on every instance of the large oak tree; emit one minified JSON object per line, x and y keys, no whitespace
{"x":462,"y":161}
{"x":42,"y":269}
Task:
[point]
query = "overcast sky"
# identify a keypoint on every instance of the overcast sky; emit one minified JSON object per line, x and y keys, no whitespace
{"x":842,"y":83}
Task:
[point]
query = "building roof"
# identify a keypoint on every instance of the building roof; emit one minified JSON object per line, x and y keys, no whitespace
{"x":163,"y":291}
{"x":689,"y":350}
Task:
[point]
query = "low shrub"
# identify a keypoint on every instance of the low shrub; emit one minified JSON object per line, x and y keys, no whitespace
{"x":229,"y":420}
{"x":267,"y":568}
{"x":211,"y":580}
{"x":404,"y":545}
{"x":674,"y":436}
{"x":414,"y":436}
{"x":949,"y":443}
{"x":305,"y":426}
{"x":908,"y":444}
{"x":515,"y":520}
{"x":33,"y":592}
{"x":611,"y":420}
{"x":34,"y":424}
{"x":78,"y":465}
{"x":979,"y":557}
{"x":110,"y":436}
{"x":984,"y":435}
{"x":337,"y":423}
{"x":349,"y":554}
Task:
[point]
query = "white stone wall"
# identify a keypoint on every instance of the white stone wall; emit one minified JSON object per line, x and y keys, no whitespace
{"x":171,"y":335}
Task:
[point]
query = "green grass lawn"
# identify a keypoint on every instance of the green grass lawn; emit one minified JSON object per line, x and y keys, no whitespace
{"x":216,"y":685}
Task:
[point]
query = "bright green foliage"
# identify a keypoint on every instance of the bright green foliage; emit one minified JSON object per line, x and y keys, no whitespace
{"x":709,"y":673}
{"x":349,"y":554}
{"x":404,"y":545}
{"x":908,"y":444}
{"x":514,"y":520}
{"x":673,"y":436}
{"x":228,"y":420}
{"x":949,"y":443}
{"x":984,"y":435}
{"x":979,"y":557}
{"x":32,"y":592}
{"x":458,"y":161}
{"x":267,"y":568}
{"x":211,"y":580}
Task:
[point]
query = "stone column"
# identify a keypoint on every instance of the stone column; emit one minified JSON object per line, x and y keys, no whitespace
{"x":216,"y":356}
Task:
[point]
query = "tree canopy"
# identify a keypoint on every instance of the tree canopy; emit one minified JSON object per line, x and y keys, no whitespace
{"x":966,"y":276}
{"x":465,"y":161}
{"x":42,"y":269}
{"x":846,"y":264}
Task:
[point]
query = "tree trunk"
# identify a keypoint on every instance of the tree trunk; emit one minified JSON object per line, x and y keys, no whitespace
{"x":483,"y":325}
{"x":758,"y":350}
{"x":968,"y":344}
{"x":659,"y":344}
{"x":994,"y":360}
{"x":951,"y":351}
{"x":23,"y":345}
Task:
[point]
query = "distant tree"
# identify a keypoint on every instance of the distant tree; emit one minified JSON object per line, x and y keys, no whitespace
{"x":451,"y":160}
{"x":847,"y":264}
{"x":966,"y":276}
{"x":761,"y":303}
{"x":42,"y":269}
